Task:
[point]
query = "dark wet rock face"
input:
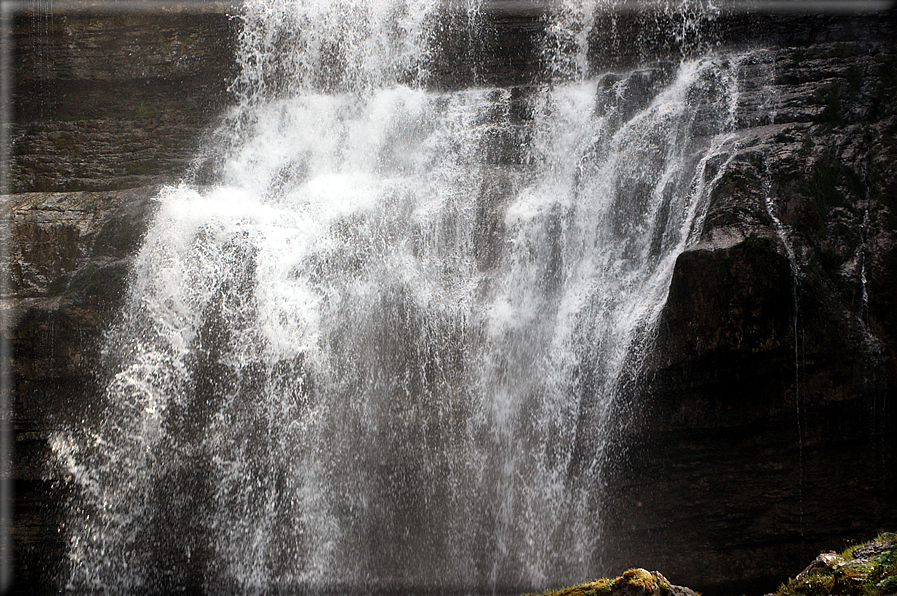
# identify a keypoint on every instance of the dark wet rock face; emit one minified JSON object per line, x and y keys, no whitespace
{"x":68,"y":263}
{"x":766,"y":408}
{"x":112,"y":101}
{"x":767,"y":404}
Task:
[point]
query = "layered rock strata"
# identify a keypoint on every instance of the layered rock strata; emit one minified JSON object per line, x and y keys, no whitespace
{"x":114,"y":100}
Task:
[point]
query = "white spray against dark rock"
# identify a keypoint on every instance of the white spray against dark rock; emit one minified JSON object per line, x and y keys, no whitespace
{"x":380,"y":353}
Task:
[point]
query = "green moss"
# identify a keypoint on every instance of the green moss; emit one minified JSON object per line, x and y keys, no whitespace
{"x":888,"y":585}
{"x":875,"y":577}
{"x":816,"y":584}
{"x":598,"y":587}
{"x":143,"y":167}
{"x":888,"y":557}
{"x":639,"y":578}
{"x":62,"y":143}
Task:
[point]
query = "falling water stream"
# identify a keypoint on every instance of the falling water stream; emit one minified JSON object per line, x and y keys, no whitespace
{"x":381,"y":352}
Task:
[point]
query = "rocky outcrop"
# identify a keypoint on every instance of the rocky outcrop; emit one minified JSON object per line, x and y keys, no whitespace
{"x":768,"y":406}
{"x":111,"y":100}
{"x":633,"y":582}
{"x":869,"y":569}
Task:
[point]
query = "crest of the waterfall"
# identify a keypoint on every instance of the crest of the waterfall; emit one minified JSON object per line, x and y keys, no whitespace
{"x":381,"y":352}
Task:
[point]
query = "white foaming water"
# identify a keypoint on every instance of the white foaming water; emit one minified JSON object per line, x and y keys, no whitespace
{"x":382,"y":352}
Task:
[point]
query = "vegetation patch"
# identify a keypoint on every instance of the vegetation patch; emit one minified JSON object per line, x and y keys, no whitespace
{"x":633,"y":581}
{"x":62,"y":144}
{"x":143,"y":167}
{"x":868,"y":569}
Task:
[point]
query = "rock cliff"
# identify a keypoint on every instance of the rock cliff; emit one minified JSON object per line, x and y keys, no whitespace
{"x":764,"y":419}
{"x":762,"y":426}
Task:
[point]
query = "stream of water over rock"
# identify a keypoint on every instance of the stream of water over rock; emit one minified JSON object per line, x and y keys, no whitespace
{"x":383,"y":351}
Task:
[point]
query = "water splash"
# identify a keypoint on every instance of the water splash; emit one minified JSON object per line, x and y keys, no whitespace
{"x":380,"y":352}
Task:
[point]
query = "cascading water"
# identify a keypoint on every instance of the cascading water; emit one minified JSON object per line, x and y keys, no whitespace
{"x":381,"y":352}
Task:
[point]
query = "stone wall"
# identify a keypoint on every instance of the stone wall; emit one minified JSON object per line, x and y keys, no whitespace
{"x":68,"y":262}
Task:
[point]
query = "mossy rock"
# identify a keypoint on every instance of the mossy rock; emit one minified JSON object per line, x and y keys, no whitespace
{"x":634,"y":582}
{"x":868,"y":569}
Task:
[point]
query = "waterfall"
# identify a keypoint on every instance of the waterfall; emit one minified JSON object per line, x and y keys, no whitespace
{"x":382,"y":351}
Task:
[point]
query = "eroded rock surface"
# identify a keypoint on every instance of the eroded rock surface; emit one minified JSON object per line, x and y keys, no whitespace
{"x":113,"y":100}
